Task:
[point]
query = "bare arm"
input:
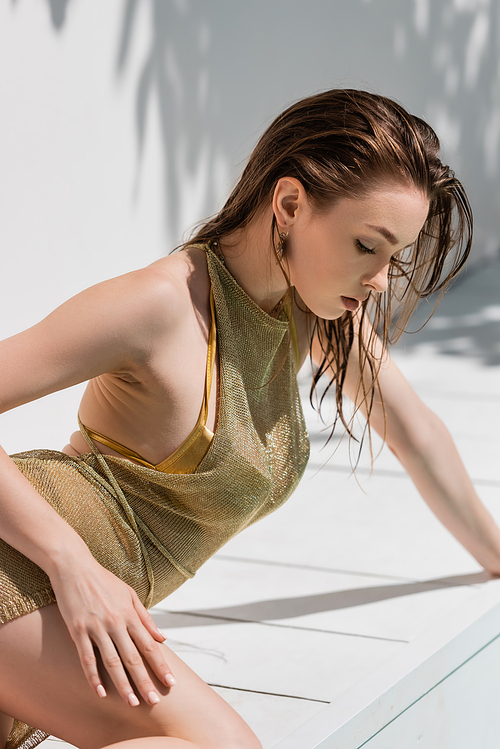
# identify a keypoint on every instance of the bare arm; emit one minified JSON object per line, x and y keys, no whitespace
{"x":106,"y":328}
{"x":425,"y":448}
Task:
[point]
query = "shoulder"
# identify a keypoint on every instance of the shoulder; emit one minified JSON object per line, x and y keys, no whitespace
{"x":146,"y":303}
{"x":125,"y":317}
{"x":113,"y":326}
{"x":177,"y":286}
{"x":156,"y":294}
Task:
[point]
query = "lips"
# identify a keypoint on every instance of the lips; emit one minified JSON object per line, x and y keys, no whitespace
{"x":350,"y":303}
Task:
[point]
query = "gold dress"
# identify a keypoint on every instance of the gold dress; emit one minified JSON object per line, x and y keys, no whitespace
{"x":152,"y":528}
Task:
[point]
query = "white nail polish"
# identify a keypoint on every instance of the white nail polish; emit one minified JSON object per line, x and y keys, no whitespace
{"x":101,"y":691}
{"x":132,"y":700}
{"x":170,"y":680}
{"x":153,"y":698}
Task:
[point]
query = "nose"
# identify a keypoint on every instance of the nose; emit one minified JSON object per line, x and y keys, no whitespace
{"x":378,"y":282}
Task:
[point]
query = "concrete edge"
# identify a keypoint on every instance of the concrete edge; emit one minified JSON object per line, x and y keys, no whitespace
{"x":360,"y":712}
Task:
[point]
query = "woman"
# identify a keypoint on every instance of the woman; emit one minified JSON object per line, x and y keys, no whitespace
{"x":343,"y":199}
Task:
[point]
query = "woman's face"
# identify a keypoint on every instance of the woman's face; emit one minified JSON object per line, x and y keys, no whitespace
{"x":336,"y":257}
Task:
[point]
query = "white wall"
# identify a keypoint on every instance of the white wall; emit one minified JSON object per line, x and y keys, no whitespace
{"x":125,"y":121}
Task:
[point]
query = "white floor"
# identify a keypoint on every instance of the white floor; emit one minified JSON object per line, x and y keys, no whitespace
{"x":351,"y":571}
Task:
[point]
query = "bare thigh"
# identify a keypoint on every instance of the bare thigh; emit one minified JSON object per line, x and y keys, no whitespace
{"x":42,"y":684}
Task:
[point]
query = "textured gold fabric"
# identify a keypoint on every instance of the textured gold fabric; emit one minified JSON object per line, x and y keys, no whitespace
{"x":154,"y":529}
{"x":188,"y":456}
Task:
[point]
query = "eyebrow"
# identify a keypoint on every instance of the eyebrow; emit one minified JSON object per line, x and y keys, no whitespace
{"x":385,"y":233}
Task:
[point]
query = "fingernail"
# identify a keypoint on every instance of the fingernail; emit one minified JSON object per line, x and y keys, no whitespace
{"x":101,"y":691}
{"x":132,"y":700}
{"x":153,"y":698}
{"x":170,"y":680}
{"x":161,"y":633}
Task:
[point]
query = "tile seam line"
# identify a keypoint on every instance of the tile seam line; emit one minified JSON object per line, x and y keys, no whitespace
{"x":271,"y":694}
{"x":429,"y":691}
{"x":286,"y":626}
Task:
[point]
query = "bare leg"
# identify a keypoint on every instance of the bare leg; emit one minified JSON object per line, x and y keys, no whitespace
{"x":42,"y":683}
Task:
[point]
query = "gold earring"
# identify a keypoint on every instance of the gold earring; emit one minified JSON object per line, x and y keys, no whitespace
{"x":280,"y":249}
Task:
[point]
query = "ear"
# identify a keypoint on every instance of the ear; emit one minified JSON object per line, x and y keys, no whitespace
{"x":289,"y":200}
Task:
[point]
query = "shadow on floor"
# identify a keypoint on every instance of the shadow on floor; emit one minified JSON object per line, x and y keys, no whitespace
{"x":288,"y":608}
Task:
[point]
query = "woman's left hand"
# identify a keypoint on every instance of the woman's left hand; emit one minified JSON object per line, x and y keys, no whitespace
{"x":104,"y":613}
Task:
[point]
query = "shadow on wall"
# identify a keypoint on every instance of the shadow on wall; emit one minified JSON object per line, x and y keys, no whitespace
{"x":458,"y":57}
{"x":216,"y":71}
{"x":58,"y":12}
{"x":173,"y":84}
{"x":176,"y":72}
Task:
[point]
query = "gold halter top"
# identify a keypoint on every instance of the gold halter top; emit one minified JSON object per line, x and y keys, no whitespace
{"x":187,"y":457}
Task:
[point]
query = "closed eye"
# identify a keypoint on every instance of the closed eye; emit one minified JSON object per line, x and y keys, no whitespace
{"x":362,"y":248}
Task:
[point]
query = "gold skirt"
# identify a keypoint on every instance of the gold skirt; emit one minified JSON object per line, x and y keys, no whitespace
{"x":81,"y":492}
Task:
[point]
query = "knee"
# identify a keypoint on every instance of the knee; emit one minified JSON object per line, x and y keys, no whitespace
{"x":248,"y":742}
{"x":246,"y":739}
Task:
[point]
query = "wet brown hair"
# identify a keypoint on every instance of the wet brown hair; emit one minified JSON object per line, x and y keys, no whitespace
{"x":344,"y":143}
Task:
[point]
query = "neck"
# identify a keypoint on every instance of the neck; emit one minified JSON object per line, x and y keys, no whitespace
{"x":249,"y":257}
